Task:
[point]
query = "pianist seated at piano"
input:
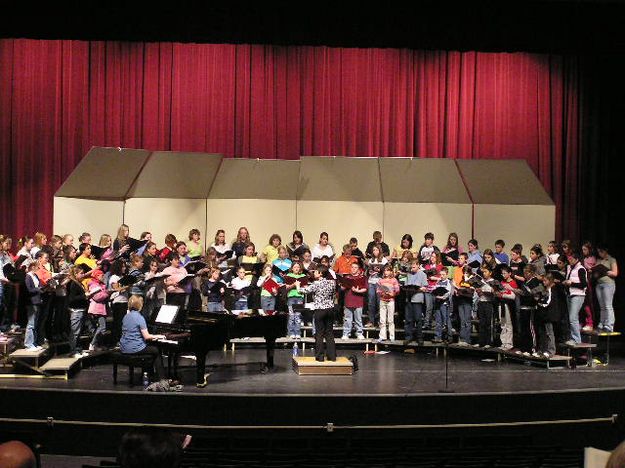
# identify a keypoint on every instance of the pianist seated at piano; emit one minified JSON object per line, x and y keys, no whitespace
{"x":135,"y":336}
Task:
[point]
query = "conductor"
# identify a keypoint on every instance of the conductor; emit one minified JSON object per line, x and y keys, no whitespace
{"x":323,"y":290}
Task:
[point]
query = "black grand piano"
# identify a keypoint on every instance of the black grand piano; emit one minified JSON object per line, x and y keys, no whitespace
{"x":201,"y":332}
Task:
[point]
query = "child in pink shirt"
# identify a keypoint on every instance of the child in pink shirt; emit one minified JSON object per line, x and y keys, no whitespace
{"x":387,"y":289}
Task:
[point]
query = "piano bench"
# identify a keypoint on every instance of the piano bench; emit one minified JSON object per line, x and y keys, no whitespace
{"x":145,"y":362}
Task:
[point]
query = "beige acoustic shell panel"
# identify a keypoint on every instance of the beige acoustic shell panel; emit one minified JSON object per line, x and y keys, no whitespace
{"x":77,"y":215}
{"x":432,"y":180}
{"x":162,"y":216}
{"x":341,"y":196}
{"x":502,"y":182}
{"x":176,"y":175}
{"x":524,"y":224}
{"x":340,"y":219}
{"x":418,"y":218}
{"x":267,"y":179}
{"x":261,"y":217}
{"x":424,"y":195}
{"x":339,"y":179}
{"x":253,"y":193}
{"x":510,"y":203}
{"x":104,"y":173}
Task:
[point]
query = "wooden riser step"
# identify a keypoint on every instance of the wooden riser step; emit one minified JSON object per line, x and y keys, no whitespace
{"x":310,"y":366}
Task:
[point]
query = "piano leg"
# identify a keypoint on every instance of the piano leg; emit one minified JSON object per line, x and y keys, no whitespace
{"x":271,"y":346}
{"x":200,"y":369}
{"x":176,"y":357}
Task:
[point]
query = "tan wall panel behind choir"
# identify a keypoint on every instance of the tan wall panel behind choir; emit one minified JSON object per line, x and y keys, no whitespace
{"x":524,"y":224}
{"x":162,"y":216}
{"x":76,"y":215}
{"x":504,"y":182}
{"x":340,"y":219}
{"x":105,"y":173}
{"x":418,"y":218}
{"x":339,"y":178}
{"x":426,"y":180}
{"x":170,"y":174}
{"x":261,"y":217}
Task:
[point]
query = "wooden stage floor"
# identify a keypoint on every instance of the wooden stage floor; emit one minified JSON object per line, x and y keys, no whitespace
{"x":395,"y":373}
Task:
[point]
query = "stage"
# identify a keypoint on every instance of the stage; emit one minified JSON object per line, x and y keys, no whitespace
{"x":393,"y":374}
{"x":398,"y":391}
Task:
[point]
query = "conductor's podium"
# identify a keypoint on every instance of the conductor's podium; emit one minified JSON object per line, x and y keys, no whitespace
{"x":310,"y":366}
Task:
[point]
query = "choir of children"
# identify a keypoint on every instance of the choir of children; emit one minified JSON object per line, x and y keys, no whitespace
{"x":526,"y":305}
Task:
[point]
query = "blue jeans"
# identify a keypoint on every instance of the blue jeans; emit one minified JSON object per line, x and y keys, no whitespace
{"x":215,"y":307}
{"x":441,"y":316}
{"x":465,"y":309}
{"x":267,"y":303}
{"x":372,"y":305}
{"x":429,"y":308}
{"x":352,"y":315}
{"x":76,"y":318}
{"x":414,"y":321}
{"x":294,"y":325}
{"x":31,"y":333}
{"x":605,"y":296}
{"x":97,"y":322}
{"x":575,"y":305}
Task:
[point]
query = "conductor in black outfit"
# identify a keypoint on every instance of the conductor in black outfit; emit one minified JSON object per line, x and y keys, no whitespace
{"x":323,"y":290}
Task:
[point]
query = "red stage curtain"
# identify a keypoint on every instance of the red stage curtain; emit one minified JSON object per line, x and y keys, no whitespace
{"x":59,"y":98}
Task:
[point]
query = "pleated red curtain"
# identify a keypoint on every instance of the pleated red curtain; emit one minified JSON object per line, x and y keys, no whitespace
{"x":59,"y":98}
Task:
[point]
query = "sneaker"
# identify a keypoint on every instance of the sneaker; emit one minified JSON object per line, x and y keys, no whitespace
{"x":570,"y":343}
{"x":535,"y":354}
{"x":476,"y":345}
{"x":345,"y":337}
{"x":463,"y":343}
{"x":587,"y":329}
{"x":84,"y":353}
{"x":360,"y":336}
{"x":77,"y":355}
{"x":487,"y":346}
{"x":91,"y":348}
{"x":519,"y":352}
{"x":437,"y":340}
{"x":526,"y":354}
{"x":546,"y":355}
